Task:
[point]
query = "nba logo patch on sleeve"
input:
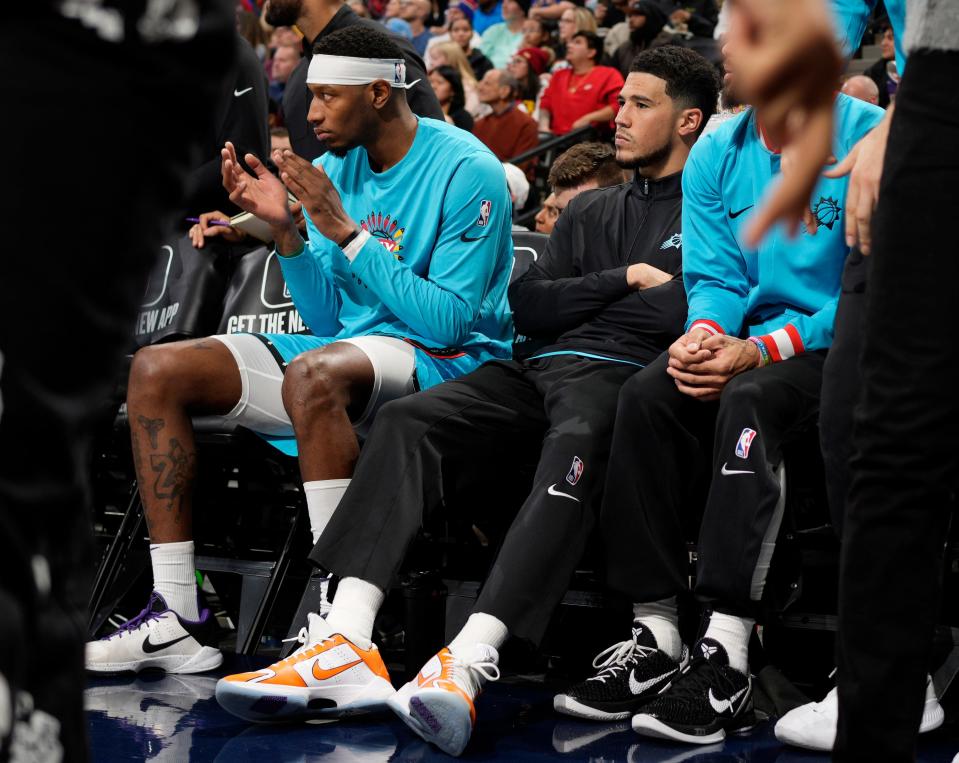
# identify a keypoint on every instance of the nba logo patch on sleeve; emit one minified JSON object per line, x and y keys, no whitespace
{"x":745,"y":440}
{"x":486,"y":206}
{"x":575,"y":471}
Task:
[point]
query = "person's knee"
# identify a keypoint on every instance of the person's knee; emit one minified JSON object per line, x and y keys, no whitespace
{"x":640,"y":397}
{"x":156,"y":374}
{"x":743,"y":391}
{"x":314,"y":385}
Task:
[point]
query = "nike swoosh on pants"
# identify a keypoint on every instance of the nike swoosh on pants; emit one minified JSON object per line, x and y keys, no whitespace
{"x":726,"y":472}
{"x":553,"y":491}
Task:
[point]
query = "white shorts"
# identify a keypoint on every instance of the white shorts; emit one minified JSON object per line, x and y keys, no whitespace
{"x":261,"y":400}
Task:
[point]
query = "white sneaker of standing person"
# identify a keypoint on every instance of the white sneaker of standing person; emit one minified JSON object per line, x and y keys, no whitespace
{"x":813,"y":726}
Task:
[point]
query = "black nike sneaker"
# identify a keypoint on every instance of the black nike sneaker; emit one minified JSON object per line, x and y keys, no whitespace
{"x":706,"y":701}
{"x":631,"y":673}
{"x":157,"y":638}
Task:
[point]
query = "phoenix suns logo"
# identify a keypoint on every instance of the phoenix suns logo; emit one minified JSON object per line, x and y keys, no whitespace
{"x":826,"y":211}
{"x":385,"y":230}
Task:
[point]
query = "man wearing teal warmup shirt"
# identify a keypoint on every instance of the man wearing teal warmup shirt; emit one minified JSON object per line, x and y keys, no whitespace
{"x":402,"y":284}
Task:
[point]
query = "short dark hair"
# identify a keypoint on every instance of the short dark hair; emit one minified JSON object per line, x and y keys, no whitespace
{"x":458,"y":101}
{"x":690,"y":79}
{"x":585,"y":162}
{"x":593,"y":42}
{"x":360,"y":42}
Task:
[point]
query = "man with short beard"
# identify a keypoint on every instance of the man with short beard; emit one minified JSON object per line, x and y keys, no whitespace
{"x":605,"y":299}
{"x":316,"y":19}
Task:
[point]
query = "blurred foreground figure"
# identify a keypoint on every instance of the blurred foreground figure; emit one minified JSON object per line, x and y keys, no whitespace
{"x":903,"y":474}
{"x":110,"y":101}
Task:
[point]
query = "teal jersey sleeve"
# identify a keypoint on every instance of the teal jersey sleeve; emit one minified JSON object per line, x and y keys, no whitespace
{"x":851,"y":18}
{"x":714,"y":270}
{"x":309,"y":277}
{"x":445,"y":303}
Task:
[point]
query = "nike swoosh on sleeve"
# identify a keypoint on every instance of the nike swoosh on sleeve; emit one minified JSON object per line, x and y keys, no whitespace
{"x":467,"y":239}
{"x":238,"y":93}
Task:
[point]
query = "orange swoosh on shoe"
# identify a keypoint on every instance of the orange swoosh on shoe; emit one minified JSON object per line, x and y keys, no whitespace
{"x":322,"y":675}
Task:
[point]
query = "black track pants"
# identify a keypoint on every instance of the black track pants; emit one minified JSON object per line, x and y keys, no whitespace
{"x":661,"y":437}
{"x":472,"y":428}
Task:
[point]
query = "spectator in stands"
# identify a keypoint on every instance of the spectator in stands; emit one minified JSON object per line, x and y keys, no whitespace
{"x":488,"y":12}
{"x":527,"y":66}
{"x":743,"y":380}
{"x":646,"y":20}
{"x":605,"y":298}
{"x":451,"y":54}
{"x":285,"y":60}
{"x":284,"y":35}
{"x":549,"y":10}
{"x":416,"y":13}
{"x":535,"y":34}
{"x":502,"y":40}
{"x":448,"y":86}
{"x":879,"y":71}
{"x":861,"y":87}
{"x":582,"y":95}
{"x":316,"y":19}
{"x":694,"y":17}
{"x":507,"y":131}
{"x":400,"y":28}
{"x":461,"y":33}
{"x":453,"y":13}
{"x":583,"y":167}
{"x":360,"y":9}
{"x":248,"y":24}
{"x":433,"y":308}
{"x":390,"y":11}
{"x":573,"y":21}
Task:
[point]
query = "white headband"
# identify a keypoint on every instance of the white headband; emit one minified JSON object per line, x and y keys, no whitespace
{"x":347,"y":70}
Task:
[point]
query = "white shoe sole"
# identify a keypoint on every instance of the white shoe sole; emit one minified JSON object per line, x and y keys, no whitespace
{"x":272,"y":703}
{"x":563,"y":703}
{"x":438,"y":716}
{"x":933,"y":717}
{"x":649,"y":726}
{"x":208,"y":658}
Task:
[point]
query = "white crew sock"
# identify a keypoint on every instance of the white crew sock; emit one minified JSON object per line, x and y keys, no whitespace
{"x":733,"y":633}
{"x":354,"y":609}
{"x":322,"y":498}
{"x":174,"y":577}
{"x":479,"y":629}
{"x":662,"y":619}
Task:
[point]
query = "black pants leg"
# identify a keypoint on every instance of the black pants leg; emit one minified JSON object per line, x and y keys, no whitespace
{"x":777,"y":403}
{"x":904,"y":472}
{"x":841,"y":383}
{"x":478,"y":420}
{"x":546,"y":540}
{"x":660,"y":438}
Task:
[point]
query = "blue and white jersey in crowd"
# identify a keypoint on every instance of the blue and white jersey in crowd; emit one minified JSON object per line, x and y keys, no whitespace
{"x":786,"y":291}
{"x":435,"y":266}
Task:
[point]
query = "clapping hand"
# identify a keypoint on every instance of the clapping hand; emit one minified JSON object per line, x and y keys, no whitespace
{"x":319,"y":197}
{"x":261,"y":194}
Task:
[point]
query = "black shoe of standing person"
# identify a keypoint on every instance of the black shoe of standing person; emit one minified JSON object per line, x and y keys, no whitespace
{"x":707,"y":701}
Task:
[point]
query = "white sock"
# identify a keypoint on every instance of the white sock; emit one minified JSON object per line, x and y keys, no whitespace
{"x":354,"y":609}
{"x":322,"y":498}
{"x":174,"y":577}
{"x":662,"y":619}
{"x":733,"y":633}
{"x":479,"y":629}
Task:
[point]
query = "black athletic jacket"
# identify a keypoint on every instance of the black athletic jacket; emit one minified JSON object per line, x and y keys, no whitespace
{"x":577,"y":293}
{"x":297,"y":97}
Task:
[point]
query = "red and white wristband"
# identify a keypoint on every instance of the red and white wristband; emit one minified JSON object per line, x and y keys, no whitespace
{"x":780,"y":344}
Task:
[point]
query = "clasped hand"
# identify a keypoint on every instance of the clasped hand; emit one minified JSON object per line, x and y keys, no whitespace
{"x":265,"y":195}
{"x":702,"y":364}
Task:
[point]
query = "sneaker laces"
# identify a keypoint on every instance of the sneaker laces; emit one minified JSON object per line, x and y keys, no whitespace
{"x":618,"y":657}
{"x":135,"y":623}
{"x":469,"y":676}
{"x":304,"y":638}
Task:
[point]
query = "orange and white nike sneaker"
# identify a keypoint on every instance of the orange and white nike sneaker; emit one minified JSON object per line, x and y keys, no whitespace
{"x":438,"y":703}
{"x":329,"y":676}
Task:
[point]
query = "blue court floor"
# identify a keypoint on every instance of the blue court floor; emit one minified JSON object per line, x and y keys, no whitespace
{"x":177,"y":718}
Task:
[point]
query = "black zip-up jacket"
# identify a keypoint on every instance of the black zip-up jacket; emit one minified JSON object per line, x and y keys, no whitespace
{"x":297,"y":96}
{"x":576,"y":296}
